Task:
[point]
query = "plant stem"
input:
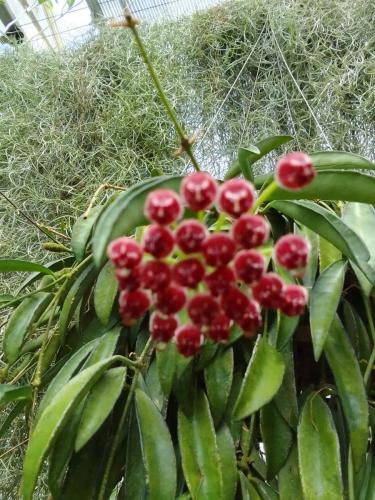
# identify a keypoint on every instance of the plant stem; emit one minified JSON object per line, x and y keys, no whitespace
{"x":351,"y":494}
{"x":184,"y":139}
{"x":121,"y":423}
{"x":264,"y":196}
{"x":101,"y":188}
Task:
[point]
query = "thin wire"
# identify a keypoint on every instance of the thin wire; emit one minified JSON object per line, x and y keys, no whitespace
{"x":298,"y":88}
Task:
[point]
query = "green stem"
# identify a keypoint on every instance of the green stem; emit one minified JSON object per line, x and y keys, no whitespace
{"x":265,"y":195}
{"x":371,"y":360}
{"x":350,"y":476}
{"x":121,"y":423}
{"x":185,"y":143}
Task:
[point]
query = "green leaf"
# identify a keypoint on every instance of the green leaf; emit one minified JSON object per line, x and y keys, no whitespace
{"x":328,"y":254}
{"x":264,"y":146}
{"x":350,"y":387}
{"x":228,"y":462}
{"x":99,"y":404}
{"x":329,"y":226}
{"x":287,"y":327}
{"x":80,"y":286}
{"x":289,"y":480}
{"x":262,"y":379}
{"x":243,"y":155}
{"x":312,"y":263}
{"x":134,"y":473}
{"x":166,"y":364}
{"x":105,"y":347}
{"x":277,"y":438}
{"x":218,"y":377}
{"x":82,"y":230}
{"x":52,"y":420}
{"x":4,"y":297}
{"x":53,"y":266}
{"x":248,"y":492}
{"x":199,"y":451}
{"x":360,"y":217}
{"x":318,"y":452}
{"x":10,"y":393}
{"x":286,"y":397}
{"x":13,"y":265}
{"x":125,"y":214}
{"x":7,"y":422}
{"x":324,"y":300}
{"x":154,"y":389}
{"x":157,"y":449}
{"x":23,"y":317}
{"x":105,"y":292}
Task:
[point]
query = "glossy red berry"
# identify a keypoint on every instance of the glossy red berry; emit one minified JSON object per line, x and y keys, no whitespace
{"x":218,"y":331}
{"x":162,"y":328}
{"x":218,"y":249}
{"x":155,"y":275}
{"x":188,"y":340}
{"x":294,"y":300}
{"x":294,"y":171}
{"x":236,"y":197}
{"x":190,"y":235}
{"x":251,"y":321}
{"x":234,"y":303}
{"x":292,"y":252}
{"x":128,"y":279}
{"x":250,"y":231}
{"x":202,"y":308}
{"x":124,"y":252}
{"x":199,"y":191}
{"x":171,"y":299}
{"x":162,"y":206}
{"x":249,"y":266}
{"x":133,"y":305}
{"x":158,"y":241}
{"x":220,"y":280}
{"x":188,"y":272}
{"x":268,"y":291}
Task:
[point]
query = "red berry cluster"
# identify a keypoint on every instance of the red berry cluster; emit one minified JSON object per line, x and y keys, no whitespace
{"x":215,"y":279}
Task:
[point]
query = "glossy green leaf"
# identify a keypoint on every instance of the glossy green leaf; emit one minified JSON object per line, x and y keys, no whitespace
{"x":154,"y":388}
{"x":350,"y":387}
{"x":329,"y":226}
{"x":218,"y":377}
{"x":264,"y":490}
{"x":99,"y":404}
{"x":52,"y":420}
{"x":328,"y":254}
{"x":312,"y":263}
{"x":228,"y":462}
{"x":286,"y":397}
{"x":166,"y":364}
{"x":199,"y":451}
{"x":125,"y":214}
{"x":23,"y":317}
{"x":289,"y":480}
{"x":248,"y":492}
{"x":159,"y":457}
{"x":360,"y":217}
{"x":324,"y":300}
{"x":244,"y":154}
{"x":340,"y":160}
{"x":82,"y":230}
{"x":264,"y":146}
{"x":15,"y":265}
{"x":277,"y":438}
{"x":287,"y":327}
{"x":318,"y":452}
{"x":105,"y":346}
{"x":105,"y":292}
{"x":135,"y":472}
{"x":262,"y":379}
{"x":80,"y":286}
{"x":10,"y":393}
{"x":55,"y":265}
{"x":5,"y":297}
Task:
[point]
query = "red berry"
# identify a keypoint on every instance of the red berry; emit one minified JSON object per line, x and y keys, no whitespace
{"x":163,"y":206}
{"x":268,"y":291}
{"x":124,"y":252}
{"x":190,"y":235}
{"x":128,"y":279}
{"x":218,"y":249}
{"x":162,"y":328}
{"x":218,"y":331}
{"x":294,"y":171}
{"x":250,"y":231}
{"x":220,"y":280}
{"x":171,"y":299}
{"x":249,"y":266}
{"x":292,"y":252}
{"x":251,"y":321}
{"x":198,"y":191}
{"x":294,"y":300}
{"x":202,"y":308}
{"x":158,"y":241}
{"x":234,"y":303}
{"x":155,"y":275}
{"x":133,"y":305}
{"x":188,"y":340}
{"x":188,"y":272}
{"x":236,"y":197}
